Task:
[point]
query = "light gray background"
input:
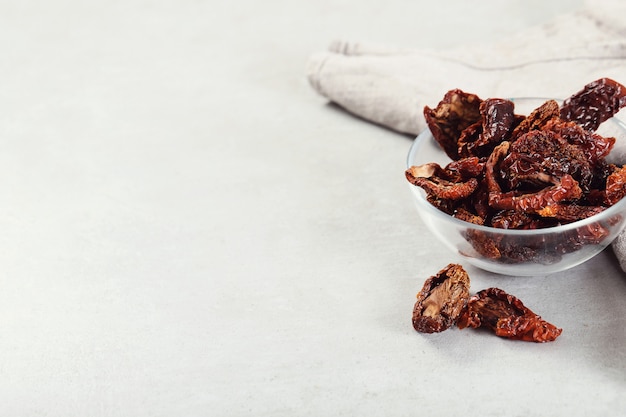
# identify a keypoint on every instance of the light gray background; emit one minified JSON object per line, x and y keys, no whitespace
{"x":187,"y":229}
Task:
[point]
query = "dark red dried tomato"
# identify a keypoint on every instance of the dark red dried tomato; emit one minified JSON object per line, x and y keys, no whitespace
{"x":492,"y":167}
{"x":486,"y":244}
{"x":507,"y":316}
{"x":441,"y":300}
{"x":456,"y":111}
{"x":498,"y":118}
{"x":467,"y":140}
{"x":439,"y":187}
{"x":596,"y":102}
{"x":470,"y":167}
{"x":479,"y":201}
{"x":594,"y":146}
{"x":537,"y":118}
{"x":570,"y":212}
{"x":466,"y":215}
{"x":616,"y":186}
{"x":495,"y":127}
{"x":591,"y":234}
{"x":514,"y":219}
{"x":565,"y":189}
{"x":538,"y":155}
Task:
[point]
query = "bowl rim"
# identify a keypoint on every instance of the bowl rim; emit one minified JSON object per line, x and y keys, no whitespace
{"x":420,"y":194}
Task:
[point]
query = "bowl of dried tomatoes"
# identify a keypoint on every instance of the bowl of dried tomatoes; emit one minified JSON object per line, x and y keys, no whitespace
{"x":523,"y":186}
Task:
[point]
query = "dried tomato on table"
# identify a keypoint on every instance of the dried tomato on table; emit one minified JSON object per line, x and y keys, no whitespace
{"x":441,"y":300}
{"x":507,"y":316}
{"x":444,"y":301}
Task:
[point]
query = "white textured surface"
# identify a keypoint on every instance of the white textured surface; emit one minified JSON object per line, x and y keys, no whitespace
{"x":189,"y":230}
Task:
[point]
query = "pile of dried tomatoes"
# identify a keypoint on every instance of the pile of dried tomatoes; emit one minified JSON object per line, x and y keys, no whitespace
{"x":510,"y":171}
{"x":444,"y":301}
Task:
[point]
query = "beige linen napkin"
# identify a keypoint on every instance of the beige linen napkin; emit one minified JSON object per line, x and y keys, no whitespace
{"x":391,"y":85}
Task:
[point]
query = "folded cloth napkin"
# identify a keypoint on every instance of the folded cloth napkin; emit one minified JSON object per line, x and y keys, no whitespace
{"x":390,"y":85}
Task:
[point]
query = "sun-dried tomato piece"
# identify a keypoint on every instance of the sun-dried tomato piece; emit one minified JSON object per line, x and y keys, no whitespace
{"x":469,"y":136}
{"x":447,"y":190}
{"x":424,"y":177}
{"x":428,"y":170}
{"x":539,"y":155}
{"x":514,"y":219}
{"x":446,"y":206}
{"x":497,"y":121}
{"x":470,"y":167}
{"x":456,"y":111}
{"x":591,"y":234}
{"x":479,"y":201}
{"x":507,"y":316}
{"x":441,"y":300}
{"x":594,"y":146}
{"x":616,"y":186}
{"x":566,"y":188}
{"x":492,"y":166}
{"x":537,"y":118}
{"x":498,"y":117}
{"x":567,"y":213}
{"x":465,"y":215}
{"x":596,"y":102}
{"x":485,"y":244}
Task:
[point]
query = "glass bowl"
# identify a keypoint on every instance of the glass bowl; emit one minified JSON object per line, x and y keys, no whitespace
{"x":544,"y":251}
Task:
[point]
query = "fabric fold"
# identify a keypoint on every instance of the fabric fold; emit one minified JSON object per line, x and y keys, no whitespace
{"x":390,"y":85}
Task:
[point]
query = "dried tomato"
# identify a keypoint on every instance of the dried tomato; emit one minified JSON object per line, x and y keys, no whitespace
{"x":492,"y":166}
{"x":507,"y":316}
{"x":456,"y":111}
{"x":596,"y":102}
{"x":539,"y":155}
{"x":470,"y":167}
{"x":565,"y":189}
{"x":512,"y":249}
{"x":467,"y":140}
{"x":590,"y":234}
{"x":594,"y":146}
{"x":486,"y":244}
{"x":496,"y":125}
{"x":570,"y":212}
{"x":616,"y":186}
{"x":439,"y":187}
{"x":465,"y":215}
{"x":514,"y":219}
{"x":537,"y":118}
{"x":441,"y":300}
